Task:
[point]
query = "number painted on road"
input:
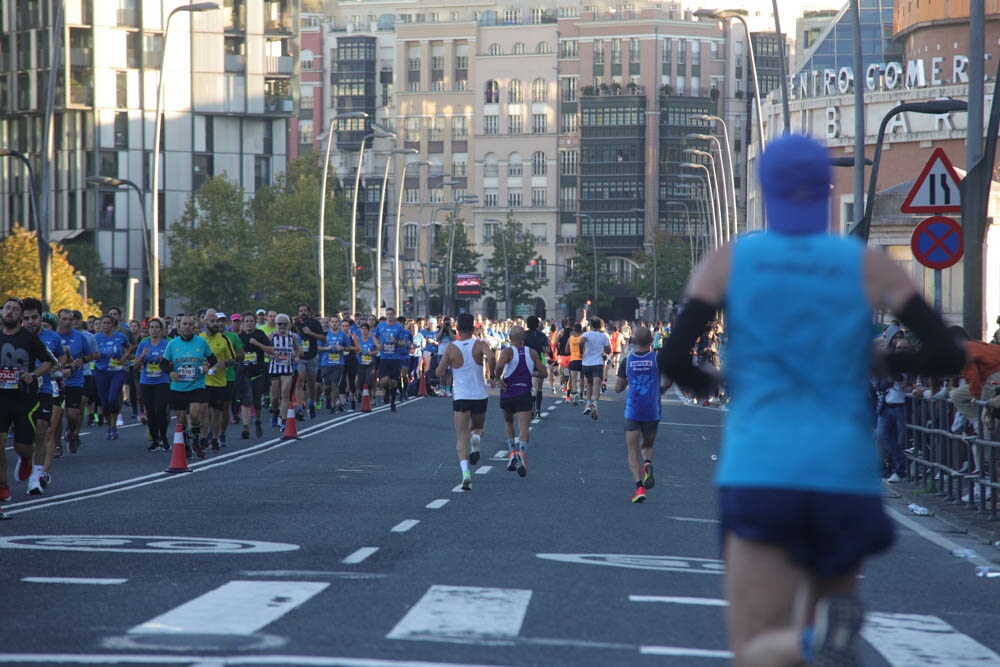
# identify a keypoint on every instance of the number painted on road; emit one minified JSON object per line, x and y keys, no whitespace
{"x":638,"y":562}
{"x":142,"y":544}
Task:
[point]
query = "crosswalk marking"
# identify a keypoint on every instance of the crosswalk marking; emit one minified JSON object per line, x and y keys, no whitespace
{"x":236,"y":608}
{"x":704,"y":602}
{"x":436,"y":504}
{"x":72,"y":580}
{"x":359,"y":555}
{"x":465,"y":614}
{"x":915,"y":640}
{"x":405,"y":525}
{"x":483,"y":470}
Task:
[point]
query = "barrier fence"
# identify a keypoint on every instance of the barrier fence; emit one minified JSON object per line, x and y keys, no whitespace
{"x":957,"y":467}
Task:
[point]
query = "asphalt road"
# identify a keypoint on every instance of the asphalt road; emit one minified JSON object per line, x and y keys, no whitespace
{"x":354,"y":546}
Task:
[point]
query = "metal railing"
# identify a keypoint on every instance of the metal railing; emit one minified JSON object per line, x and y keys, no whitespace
{"x":940,"y":460}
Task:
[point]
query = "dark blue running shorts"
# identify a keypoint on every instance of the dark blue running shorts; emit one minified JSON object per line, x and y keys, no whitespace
{"x":827,"y":534}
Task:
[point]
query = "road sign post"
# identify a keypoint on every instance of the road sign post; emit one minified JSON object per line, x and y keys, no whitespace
{"x":937,"y":244}
{"x":936,"y":190}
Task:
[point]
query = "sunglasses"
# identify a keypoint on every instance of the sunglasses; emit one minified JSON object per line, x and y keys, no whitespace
{"x":282,"y":324}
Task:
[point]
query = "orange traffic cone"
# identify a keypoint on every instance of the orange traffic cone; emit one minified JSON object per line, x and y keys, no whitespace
{"x":178,"y":455}
{"x":366,"y":400}
{"x":422,"y":391}
{"x":291,"y":428}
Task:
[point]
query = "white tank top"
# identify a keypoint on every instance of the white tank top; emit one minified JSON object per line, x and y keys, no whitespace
{"x":468,"y":382}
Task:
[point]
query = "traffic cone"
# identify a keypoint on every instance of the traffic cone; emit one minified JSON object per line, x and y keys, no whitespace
{"x":423,"y":380}
{"x":366,"y":400}
{"x":291,"y":428}
{"x":178,"y":455}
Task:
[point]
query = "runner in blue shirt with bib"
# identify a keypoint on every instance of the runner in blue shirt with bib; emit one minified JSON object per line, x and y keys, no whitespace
{"x":640,"y":374}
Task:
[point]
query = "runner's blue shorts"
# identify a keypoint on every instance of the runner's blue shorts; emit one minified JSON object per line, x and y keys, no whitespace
{"x":827,"y":534}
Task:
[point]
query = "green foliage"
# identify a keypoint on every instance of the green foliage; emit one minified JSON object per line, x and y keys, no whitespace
{"x":673,"y":266}
{"x":22,"y":274}
{"x":520,"y":250}
{"x":582,"y":277}
{"x":463,"y":260}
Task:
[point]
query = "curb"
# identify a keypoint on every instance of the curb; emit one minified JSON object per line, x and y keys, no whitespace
{"x":953,"y":515}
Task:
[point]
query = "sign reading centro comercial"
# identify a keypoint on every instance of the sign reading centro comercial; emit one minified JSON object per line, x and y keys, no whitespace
{"x":916,"y":73}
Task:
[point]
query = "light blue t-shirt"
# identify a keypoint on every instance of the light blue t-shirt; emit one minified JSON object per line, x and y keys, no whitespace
{"x":188,"y":359}
{"x":78,"y":347}
{"x":799,"y":326}
{"x":111,"y":349}
{"x":152,"y":372}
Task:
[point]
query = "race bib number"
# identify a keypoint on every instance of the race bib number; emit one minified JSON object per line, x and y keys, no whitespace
{"x":305,"y":345}
{"x":153,"y":370}
{"x":333,"y":358}
{"x":388,"y":347}
{"x":114,"y":364}
{"x":250,"y":358}
{"x":366,"y":359}
{"x":187,"y":373}
{"x":282,"y":357}
{"x":9,"y":377}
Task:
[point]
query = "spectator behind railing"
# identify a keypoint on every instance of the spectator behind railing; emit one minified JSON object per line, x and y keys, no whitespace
{"x":981,"y":374}
{"x":890,"y":427}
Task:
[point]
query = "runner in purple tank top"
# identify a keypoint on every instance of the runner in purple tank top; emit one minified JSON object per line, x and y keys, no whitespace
{"x":517,"y":364}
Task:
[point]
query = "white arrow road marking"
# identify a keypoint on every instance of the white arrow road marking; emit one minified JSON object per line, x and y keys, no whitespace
{"x":236,"y":608}
{"x":915,"y":640}
{"x":72,"y":580}
{"x":465,"y":615}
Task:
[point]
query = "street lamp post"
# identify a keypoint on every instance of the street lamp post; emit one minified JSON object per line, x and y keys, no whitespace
{"x":730,"y":186}
{"x":722,"y":204}
{"x":157,"y":130}
{"x":506,"y":267}
{"x":354,"y":213}
{"x":43,"y":252}
{"x":729,"y":159}
{"x":381,"y":218}
{"x":863,"y":228}
{"x":116,"y":183}
{"x":399,"y":210}
{"x":707,"y":185}
{"x":712,"y":199}
{"x":83,"y":286}
{"x":322,"y":207}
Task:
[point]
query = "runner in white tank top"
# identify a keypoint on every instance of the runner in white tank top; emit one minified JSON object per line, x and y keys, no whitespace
{"x":466,"y":358}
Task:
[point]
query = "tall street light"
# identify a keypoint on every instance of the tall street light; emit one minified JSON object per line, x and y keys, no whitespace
{"x":679,"y":204}
{"x":707,"y":196}
{"x":722,"y":172}
{"x":381,"y":217}
{"x":117,"y":183}
{"x":83,"y":286}
{"x":506,"y":268}
{"x":399,"y":212}
{"x":863,"y":228}
{"x":729,"y":158}
{"x":322,"y":206}
{"x":593,"y":242}
{"x":157,"y":130}
{"x":720,"y":192}
{"x":354,"y":212}
{"x":43,"y":251}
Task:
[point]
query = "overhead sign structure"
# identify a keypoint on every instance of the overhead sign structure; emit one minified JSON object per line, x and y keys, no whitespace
{"x":937,"y":242}
{"x":936,"y":189}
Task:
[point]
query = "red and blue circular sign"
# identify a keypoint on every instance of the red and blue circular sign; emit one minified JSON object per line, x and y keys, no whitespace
{"x":937,"y":242}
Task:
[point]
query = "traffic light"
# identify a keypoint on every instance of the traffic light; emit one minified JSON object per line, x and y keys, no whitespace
{"x":357,"y":268}
{"x":533,"y":262}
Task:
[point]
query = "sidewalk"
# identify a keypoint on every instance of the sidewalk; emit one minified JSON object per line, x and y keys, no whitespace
{"x":956,"y":515}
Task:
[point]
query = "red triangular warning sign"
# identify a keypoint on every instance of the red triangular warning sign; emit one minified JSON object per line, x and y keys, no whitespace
{"x":936,"y":189}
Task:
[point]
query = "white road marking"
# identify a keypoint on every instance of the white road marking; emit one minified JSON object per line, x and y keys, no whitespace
{"x":702,"y":602}
{"x":437,"y":504}
{"x":692,"y":519}
{"x":228,"y":660}
{"x":404,"y":526}
{"x":236,"y":608}
{"x":643,"y":562}
{"x":359,"y":555}
{"x":72,"y":580}
{"x":466,"y":615}
{"x":484,"y":470}
{"x":678,"y":651}
{"x":915,"y":640}
{"x":500,"y":455}
{"x":692,"y":425}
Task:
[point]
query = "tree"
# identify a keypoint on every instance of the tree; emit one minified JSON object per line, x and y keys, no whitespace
{"x":514,"y":264}
{"x":22,"y":273}
{"x":582,"y":277}
{"x":463,"y":258}
{"x":101,"y":288}
{"x":214,"y":251}
{"x":673,"y":266}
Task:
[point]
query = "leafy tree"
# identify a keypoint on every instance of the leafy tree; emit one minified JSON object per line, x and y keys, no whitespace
{"x":102,"y":288}
{"x":513,"y":252}
{"x":214,"y":250}
{"x":673,"y":266}
{"x":22,"y":274}
{"x":582,"y":278}
{"x":463,"y":258}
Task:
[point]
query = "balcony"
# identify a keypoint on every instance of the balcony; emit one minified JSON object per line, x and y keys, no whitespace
{"x":281,"y":104}
{"x":614,"y":90}
{"x":279,"y":65}
{"x":236,"y":64}
{"x":565,"y":240}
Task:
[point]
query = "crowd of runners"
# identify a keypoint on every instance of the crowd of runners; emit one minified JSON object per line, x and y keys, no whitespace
{"x":224,"y":374}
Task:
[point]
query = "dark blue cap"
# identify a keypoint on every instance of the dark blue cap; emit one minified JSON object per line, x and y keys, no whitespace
{"x":795,"y":177}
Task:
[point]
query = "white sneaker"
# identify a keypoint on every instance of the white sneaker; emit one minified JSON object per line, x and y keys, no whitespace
{"x":474,"y":440}
{"x":120,"y":422}
{"x":893,"y":478}
{"x":35,"y":483}
{"x":958,"y":423}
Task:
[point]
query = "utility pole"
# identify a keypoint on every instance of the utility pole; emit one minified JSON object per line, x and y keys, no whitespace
{"x":975,"y":185}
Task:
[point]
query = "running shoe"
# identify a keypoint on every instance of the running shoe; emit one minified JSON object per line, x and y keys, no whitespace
{"x":222,"y":440}
{"x":838,"y":621}
{"x":3,"y":517}
{"x":300,"y":414}
{"x":354,"y":405}
{"x":568,"y":399}
{"x":312,"y":411}
{"x":74,"y":444}
{"x":466,"y":481}
{"x":153,"y":446}
{"x":59,"y":451}
{"x":114,"y":433}
{"x":474,"y":449}
{"x":604,"y":387}
{"x":245,"y":433}
{"x":119,"y":422}
{"x":640,"y":495}
{"x":274,"y":420}
{"x":511,"y":461}
{"x":593,"y":411}
{"x":35,"y":484}
{"x":107,"y":436}
{"x":4,"y":492}
{"x":258,"y":429}
{"x":199,"y":450}
{"x":522,"y":463}
{"x":648,"y":481}
{"x":24,"y":470}
{"x":392,"y":407}
{"x":44,"y":479}
{"x":586,"y":410}
{"x":142,"y":416}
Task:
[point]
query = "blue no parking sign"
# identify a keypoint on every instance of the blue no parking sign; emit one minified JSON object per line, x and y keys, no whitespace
{"x":937,"y":242}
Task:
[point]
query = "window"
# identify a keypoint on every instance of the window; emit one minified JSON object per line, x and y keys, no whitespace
{"x":490,"y":199}
{"x":541,"y":267}
{"x":121,"y":130}
{"x":410,"y":236}
{"x":459,"y":167}
{"x":681,"y":51}
{"x":515,"y":125}
{"x":569,"y":48}
{"x":538,"y":164}
{"x":459,"y":129}
{"x":570,"y":162}
{"x":496,"y":49}
{"x":633,"y":50}
{"x":413,"y":86}
{"x":411,"y":195}
{"x":515,"y":92}
{"x":513,"y":198}
{"x":437,"y":62}
{"x":437,"y":86}
{"x":121,"y":90}
{"x":413,"y":64}
{"x":491,"y":124}
{"x":512,"y":16}
{"x":538,"y":90}
{"x":539,"y":231}
{"x":695,"y":52}
{"x":616,"y":51}
{"x":261,"y":172}
{"x":307,"y":101}
{"x":539,"y":123}
{"x":598,"y":51}
{"x":518,"y":49}
{"x":436,"y":130}
{"x":514,"y":165}
{"x":569,"y":89}
{"x":567,"y":198}
{"x":570,"y":122}
{"x":202,"y":169}
{"x":489,"y":231}
{"x":305,"y":133}
{"x":666,"y":49}
{"x":543,"y":48}
{"x":411,"y":129}
{"x":491,"y":93}
{"x":538,"y":199}
{"x":538,"y":15}
{"x":491,"y":167}
{"x":461,"y":62}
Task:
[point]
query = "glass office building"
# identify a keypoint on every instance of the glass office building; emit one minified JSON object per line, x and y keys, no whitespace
{"x":835,"y":48}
